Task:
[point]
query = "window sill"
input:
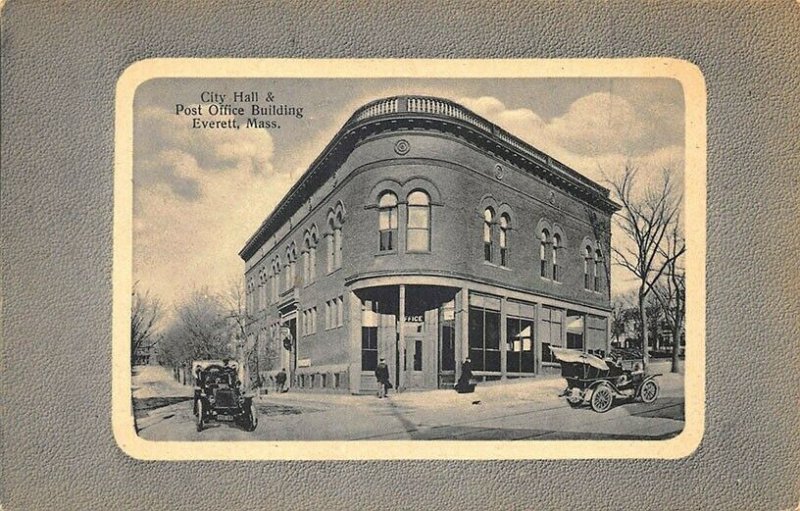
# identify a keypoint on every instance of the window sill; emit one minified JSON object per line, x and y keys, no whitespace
{"x":418,"y":252}
{"x":385,"y":253}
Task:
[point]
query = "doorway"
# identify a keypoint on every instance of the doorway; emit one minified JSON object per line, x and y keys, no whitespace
{"x":415,"y":361}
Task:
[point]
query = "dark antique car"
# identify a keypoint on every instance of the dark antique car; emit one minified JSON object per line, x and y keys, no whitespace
{"x":218,"y":395}
{"x":598,"y":381}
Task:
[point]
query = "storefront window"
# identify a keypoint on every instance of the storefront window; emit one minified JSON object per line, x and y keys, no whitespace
{"x":519,"y":333}
{"x":484,"y":339}
{"x":575,"y":322}
{"x":551,"y":325}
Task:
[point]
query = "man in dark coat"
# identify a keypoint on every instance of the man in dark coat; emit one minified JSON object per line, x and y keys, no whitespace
{"x":463,"y":384}
{"x":382,"y":375}
{"x":280,"y":381}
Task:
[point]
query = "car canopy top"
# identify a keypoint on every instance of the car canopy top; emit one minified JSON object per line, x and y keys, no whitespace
{"x":578,"y":357}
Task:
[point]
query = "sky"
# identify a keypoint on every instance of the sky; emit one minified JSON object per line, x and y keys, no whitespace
{"x":199,"y":194}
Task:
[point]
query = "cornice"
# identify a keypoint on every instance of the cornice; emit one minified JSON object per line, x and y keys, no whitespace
{"x":418,"y":113}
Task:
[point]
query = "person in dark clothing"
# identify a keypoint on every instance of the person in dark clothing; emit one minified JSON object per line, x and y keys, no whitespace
{"x":382,"y":375}
{"x":464,"y":384}
{"x":280,"y":381}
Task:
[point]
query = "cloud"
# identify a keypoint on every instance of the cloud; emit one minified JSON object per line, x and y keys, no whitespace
{"x":198,"y":196}
{"x":597,"y":135}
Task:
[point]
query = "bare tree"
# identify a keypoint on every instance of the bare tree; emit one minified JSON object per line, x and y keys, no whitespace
{"x":145,"y":313}
{"x":205,"y":326}
{"x":242,"y":321}
{"x":646,"y":219}
{"x":671,"y":291}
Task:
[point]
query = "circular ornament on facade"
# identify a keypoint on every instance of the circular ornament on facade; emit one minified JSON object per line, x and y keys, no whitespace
{"x":499,"y":171}
{"x":402,"y":147}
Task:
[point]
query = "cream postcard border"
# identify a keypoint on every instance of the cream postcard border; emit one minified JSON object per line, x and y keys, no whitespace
{"x":680,"y":446}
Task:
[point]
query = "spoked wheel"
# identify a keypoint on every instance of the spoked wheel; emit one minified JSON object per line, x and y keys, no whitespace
{"x":575,"y":404}
{"x":602,"y":399}
{"x":649,"y":391}
{"x":200,"y":413}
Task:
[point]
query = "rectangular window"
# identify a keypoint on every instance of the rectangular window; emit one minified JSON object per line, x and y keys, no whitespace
{"x":419,"y":239}
{"x":339,"y":311}
{"x":484,"y":339}
{"x":503,"y":257}
{"x":327,"y":315}
{"x":598,"y":268}
{"x":596,"y":335}
{"x":387,"y":225}
{"x":519,"y":333}
{"x":575,"y":323}
{"x":551,"y":328}
{"x":556,"y":273}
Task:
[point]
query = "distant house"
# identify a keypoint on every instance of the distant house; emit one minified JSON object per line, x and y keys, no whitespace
{"x":424,"y":234}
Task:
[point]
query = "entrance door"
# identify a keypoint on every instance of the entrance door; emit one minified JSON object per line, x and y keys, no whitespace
{"x":415,"y":362}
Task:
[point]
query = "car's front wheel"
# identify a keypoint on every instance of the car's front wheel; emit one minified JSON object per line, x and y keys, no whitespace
{"x":602,"y":399}
{"x":649,"y":391}
{"x":200,"y":415}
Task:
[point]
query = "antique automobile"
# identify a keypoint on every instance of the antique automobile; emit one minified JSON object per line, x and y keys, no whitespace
{"x":598,"y":381}
{"x":218,"y":395}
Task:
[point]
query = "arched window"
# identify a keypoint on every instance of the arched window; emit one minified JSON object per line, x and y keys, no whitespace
{"x":387,"y":222}
{"x":337,"y":240}
{"x":307,"y":262}
{"x":312,"y":254}
{"x":588,"y":268}
{"x":544,"y":240}
{"x":488,"y":227}
{"x":330,"y":246}
{"x":505,"y":225}
{"x":598,"y":269}
{"x":556,"y":269}
{"x":418,"y":230}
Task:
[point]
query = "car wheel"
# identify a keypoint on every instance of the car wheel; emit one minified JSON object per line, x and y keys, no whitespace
{"x":574,"y":404}
{"x":649,"y":391}
{"x":602,"y":399}
{"x":200,"y":413}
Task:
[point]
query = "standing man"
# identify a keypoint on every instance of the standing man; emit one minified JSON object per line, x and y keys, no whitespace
{"x":280,"y":380}
{"x":382,"y":375}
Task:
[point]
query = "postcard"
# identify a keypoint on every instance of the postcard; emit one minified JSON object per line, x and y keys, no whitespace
{"x":409,"y":259}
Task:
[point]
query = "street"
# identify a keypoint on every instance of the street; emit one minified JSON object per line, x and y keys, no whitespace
{"x":525,"y":409}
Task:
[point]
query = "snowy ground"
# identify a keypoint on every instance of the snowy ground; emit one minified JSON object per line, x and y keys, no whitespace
{"x":523,"y":409}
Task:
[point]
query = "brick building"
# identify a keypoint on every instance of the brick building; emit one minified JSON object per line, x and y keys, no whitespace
{"x":425,"y":234}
